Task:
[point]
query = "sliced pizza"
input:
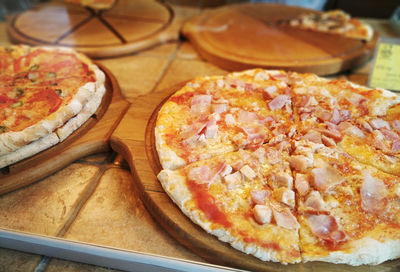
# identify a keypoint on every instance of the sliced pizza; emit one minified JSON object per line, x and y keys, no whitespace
{"x":348,"y":211}
{"x":215,"y":115}
{"x":334,"y":22}
{"x":244,"y":198}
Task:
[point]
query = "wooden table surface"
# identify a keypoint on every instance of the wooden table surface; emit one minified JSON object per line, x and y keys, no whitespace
{"x":93,"y":199}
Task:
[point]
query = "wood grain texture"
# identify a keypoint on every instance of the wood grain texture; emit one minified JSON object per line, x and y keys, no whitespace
{"x":244,"y":36}
{"x":134,"y":139}
{"x":92,"y":137}
{"x":129,"y":26}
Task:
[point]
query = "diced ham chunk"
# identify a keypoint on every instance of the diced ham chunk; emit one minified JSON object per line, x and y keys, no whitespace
{"x":351,"y":130}
{"x":233,"y":180}
{"x":200,"y":103}
{"x":285,"y":196}
{"x":230,"y":120}
{"x":331,"y":133}
{"x":356,"y":99}
{"x":378,"y":141}
{"x":226,"y":170}
{"x":326,"y":177}
{"x":260,"y":154}
{"x":248,"y":172}
{"x":322,"y":114}
{"x":255,"y":136}
{"x":379,"y":123}
{"x":300,"y":162}
{"x":313,"y":136}
{"x":279,"y":102}
{"x":220,"y":108}
{"x":284,"y":179}
{"x":308,"y":101}
{"x":339,"y":116}
{"x":273,"y":156}
{"x":192,"y":130}
{"x":373,"y":195}
{"x":211,"y":129}
{"x":284,"y":218}
{"x":262,"y":214}
{"x":326,"y":228}
{"x":314,"y":201}
{"x":201,"y":174}
{"x":259,"y":196}
{"x":270,"y":91}
{"x":301,"y":184}
{"x":247,"y":117}
{"x":329,"y":142}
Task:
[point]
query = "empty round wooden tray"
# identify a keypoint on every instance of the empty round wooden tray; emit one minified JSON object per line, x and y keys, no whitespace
{"x":128,"y":26}
{"x":244,"y":36}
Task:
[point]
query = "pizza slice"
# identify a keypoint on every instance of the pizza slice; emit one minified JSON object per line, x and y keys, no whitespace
{"x":333,"y":22}
{"x":215,"y":115}
{"x":317,"y":99}
{"x":374,"y":140}
{"x":244,"y":198}
{"x":348,"y":211}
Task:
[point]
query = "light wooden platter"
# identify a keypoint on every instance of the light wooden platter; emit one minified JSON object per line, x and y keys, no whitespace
{"x":90,"y":138}
{"x":129,"y":26}
{"x":243,"y":36}
{"x":134,"y":139}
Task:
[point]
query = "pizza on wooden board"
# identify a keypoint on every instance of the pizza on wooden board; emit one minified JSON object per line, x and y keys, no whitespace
{"x":46,"y":93}
{"x":284,"y":166}
{"x":334,"y":22}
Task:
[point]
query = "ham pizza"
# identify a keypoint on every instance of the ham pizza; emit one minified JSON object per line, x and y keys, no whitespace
{"x":284,"y":166}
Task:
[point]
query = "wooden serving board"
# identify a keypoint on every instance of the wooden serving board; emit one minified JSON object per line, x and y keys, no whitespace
{"x":244,"y":36}
{"x":128,"y":26}
{"x":92,"y":137}
{"x":134,"y":139}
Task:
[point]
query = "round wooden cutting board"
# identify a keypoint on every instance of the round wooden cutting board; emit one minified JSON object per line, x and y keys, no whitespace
{"x":134,"y":139}
{"x":243,"y":36}
{"x":92,"y":137}
{"x":128,"y":26}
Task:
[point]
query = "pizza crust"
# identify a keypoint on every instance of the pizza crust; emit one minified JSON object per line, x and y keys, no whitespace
{"x":29,"y":150}
{"x":88,"y":110}
{"x":366,"y":251}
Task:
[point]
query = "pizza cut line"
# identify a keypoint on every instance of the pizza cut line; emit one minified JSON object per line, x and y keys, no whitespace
{"x":46,"y":93}
{"x":284,"y":166}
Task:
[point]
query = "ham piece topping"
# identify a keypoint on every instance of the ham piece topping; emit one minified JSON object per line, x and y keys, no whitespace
{"x":259,"y":196}
{"x":284,"y":218}
{"x":200,"y":104}
{"x":373,"y":194}
{"x":301,"y":184}
{"x":315,"y":202}
{"x":262,"y":213}
{"x":326,"y":228}
{"x":326,"y":177}
{"x":279,"y":102}
{"x":205,"y":173}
